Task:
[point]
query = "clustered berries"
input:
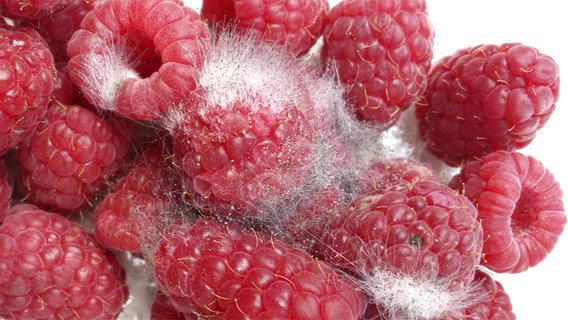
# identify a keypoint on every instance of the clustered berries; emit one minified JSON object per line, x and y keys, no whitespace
{"x":249,"y":155}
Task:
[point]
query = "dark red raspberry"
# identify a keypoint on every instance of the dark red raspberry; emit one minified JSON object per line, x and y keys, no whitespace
{"x":163,"y":309}
{"x":219,"y":270}
{"x":68,"y":158}
{"x":487,"y":98}
{"x":382,"y":51}
{"x":520,"y":207}
{"x":6,"y":187}
{"x":425,"y":236}
{"x":133,"y":208}
{"x":138,"y":57}
{"x":28,"y":76}
{"x":18,"y":9}
{"x":295,"y":24}
{"x":492,"y":301}
{"x":52,"y":269}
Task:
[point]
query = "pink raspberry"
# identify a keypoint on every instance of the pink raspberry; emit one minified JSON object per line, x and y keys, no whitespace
{"x":520,"y":207}
{"x":66,"y":161}
{"x":382,"y":51}
{"x":414,"y":249}
{"x":138,"y":57}
{"x":393,"y":174}
{"x":297,"y":25}
{"x":213,"y":269}
{"x":52,"y":269}
{"x":487,"y":98}
{"x":131,"y":210}
{"x":28,"y":76}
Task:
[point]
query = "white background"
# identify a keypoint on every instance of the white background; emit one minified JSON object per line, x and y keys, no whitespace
{"x":538,"y":293}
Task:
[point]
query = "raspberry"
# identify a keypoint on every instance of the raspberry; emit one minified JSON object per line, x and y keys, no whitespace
{"x":494,"y":302}
{"x":18,"y":9}
{"x":382,"y":52}
{"x":245,"y":142}
{"x":52,"y":269}
{"x":392,"y":174}
{"x":129,"y":211}
{"x":487,"y":98}
{"x":295,"y":24}
{"x":137,"y":57}
{"x":6,"y":187}
{"x":163,"y":309}
{"x":221,"y":270}
{"x":424,"y":237}
{"x":520,"y":207}
{"x":28,"y":76}
{"x":68,"y":158}
{"x":58,"y":27}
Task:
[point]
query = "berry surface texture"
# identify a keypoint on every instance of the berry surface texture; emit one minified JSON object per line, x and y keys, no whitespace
{"x":283,"y":160}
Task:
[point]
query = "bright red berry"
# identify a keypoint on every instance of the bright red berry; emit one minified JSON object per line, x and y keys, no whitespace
{"x":220,"y":270}
{"x":424,"y":237}
{"x":382,"y":51}
{"x":130,"y":212}
{"x":138,"y":57}
{"x":66,"y":161}
{"x":163,"y":309}
{"x":28,"y":76}
{"x":394,"y":174}
{"x":520,"y":207}
{"x":487,"y":98}
{"x":297,"y":25}
{"x":52,"y":269}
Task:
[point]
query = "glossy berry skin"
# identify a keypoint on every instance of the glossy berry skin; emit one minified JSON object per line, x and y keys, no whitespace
{"x":494,"y":302}
{"x":66,"y":161}
{"x":295,"y":24}
{"x":221,"y":271}
{"x":382,"y":52}
{"x":52,"y":269}
{"x":394,"y":174}
{"x":138,"y":57}
{"x":520,"y":205}
{"x":28,"y":76}
{"x":426,"y":231}
{"x":487,"y":98}
{"x":126,"y":216}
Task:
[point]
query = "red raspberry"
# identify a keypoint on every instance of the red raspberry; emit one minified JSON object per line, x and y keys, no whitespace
{"x":295,"y":24}
{"x":220,"y":270}
{"x":520,"y":207}
{"x":18,"y":9}
{"x":424,"y":237}
{"x":130,"y":211}
{"x":28,"y":76}
{"x":163,"y":309}
{"x":52,"y":269}
{"x":68,"y":158}
{"x":393,"y":174}
{"x":245,"y":143}
{"x":58,"y":27}
{"x":382,"y":51}
{"x":6,"y":187}
{"x":492,"y":302}
{"x":487,"y":98}
{"x":137,"y":57}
